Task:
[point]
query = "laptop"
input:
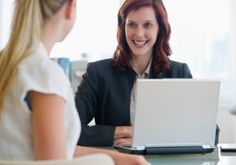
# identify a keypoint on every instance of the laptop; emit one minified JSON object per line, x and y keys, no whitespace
{"x":174,"y":116}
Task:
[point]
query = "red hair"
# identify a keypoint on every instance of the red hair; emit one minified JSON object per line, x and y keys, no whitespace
{"x":161,"y":51}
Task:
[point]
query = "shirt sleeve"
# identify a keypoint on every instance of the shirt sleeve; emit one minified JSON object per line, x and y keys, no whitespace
{"x":87,"y":106}
{"x":46,"y":77}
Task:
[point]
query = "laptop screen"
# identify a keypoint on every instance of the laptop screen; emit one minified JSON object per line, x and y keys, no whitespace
{"x":175,"y":112}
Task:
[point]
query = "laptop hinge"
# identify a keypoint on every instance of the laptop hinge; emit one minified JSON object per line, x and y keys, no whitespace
{"x":140,"y":148}
{"x":207,"y":146}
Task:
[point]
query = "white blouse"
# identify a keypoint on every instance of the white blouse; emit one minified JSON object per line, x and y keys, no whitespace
{"x":133,"y":91}
{"x":38,"y":73}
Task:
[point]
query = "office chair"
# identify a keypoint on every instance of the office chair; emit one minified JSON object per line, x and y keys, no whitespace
{"x":78,"y":68}
{"x":98,"y":159}
{"x":73,"y":70}
{"x":233,"y":109}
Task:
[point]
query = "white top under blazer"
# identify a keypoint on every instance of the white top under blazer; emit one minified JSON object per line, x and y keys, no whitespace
{"x":38,"y":73}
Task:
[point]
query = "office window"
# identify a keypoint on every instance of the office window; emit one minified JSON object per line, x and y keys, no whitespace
{"x":94,"y":34}
{"x":201,"y":38}
{"x":6,"y":8}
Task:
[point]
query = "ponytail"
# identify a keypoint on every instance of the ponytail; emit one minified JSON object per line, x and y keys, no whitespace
{"x":27,"y":22}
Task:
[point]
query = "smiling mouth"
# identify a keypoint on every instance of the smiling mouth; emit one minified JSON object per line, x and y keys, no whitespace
{"x":140,"y":44}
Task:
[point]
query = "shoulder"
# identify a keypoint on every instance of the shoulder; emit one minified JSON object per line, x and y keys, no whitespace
{"x":179,"y":69}
{"x":104,"y":71}
{"x":177,"y":65}
{"x":102,"y":66}
{"x":106,"y":63}
{"x":40,"y":73}
{"x":40,"y":68}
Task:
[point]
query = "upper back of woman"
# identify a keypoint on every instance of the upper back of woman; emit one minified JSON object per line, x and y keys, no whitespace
{"x":24,"y":67}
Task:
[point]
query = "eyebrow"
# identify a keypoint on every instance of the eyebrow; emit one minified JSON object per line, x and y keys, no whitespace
{"x":144,"y":21}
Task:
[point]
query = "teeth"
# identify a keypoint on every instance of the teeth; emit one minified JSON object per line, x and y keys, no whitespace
{"x":139,"y":43}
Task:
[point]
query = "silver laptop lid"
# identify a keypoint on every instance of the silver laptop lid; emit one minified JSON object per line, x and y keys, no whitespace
{"x":175,"y":112}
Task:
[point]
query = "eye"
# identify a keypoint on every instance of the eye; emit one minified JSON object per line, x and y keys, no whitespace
{"x":148,"y":25}
{"x":132,"y":25}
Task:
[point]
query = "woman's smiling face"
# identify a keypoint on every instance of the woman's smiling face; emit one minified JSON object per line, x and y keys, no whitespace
{"x":141,"y":30}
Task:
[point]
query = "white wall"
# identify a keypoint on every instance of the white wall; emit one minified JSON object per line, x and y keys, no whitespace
{"x":1,"y":26}
{"x":227,"y":124}
{"x":6,"y":8}
{"x":226,"y":120}
{"x":233,"y":46}
{"x":122,"y":1}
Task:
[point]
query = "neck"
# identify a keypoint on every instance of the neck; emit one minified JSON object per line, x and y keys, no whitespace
{"x":48,"y":39}
{"x":50,"y":35}
{"x":140,"y":64}
{"x":48,"y":45}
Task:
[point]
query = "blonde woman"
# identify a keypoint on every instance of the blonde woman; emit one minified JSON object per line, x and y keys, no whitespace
{"x":39,"y":120}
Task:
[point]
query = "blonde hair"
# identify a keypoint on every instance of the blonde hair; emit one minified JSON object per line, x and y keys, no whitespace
{"x":28,"y":19}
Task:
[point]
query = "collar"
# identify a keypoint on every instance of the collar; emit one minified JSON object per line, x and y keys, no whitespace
{"x":42,"y":49}
{"x":146,"y":72}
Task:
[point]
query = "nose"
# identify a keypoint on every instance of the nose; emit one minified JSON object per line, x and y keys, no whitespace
{"x":139,"y":32}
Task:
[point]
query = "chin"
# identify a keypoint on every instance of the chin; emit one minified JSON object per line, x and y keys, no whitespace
{"x":139,"y":54}
{"x":61,"y":39}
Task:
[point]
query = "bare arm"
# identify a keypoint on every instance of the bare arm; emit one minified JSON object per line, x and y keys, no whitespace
{"x":48,"y":126}
{"x":119,"y":158}
{"x":49,"y":134}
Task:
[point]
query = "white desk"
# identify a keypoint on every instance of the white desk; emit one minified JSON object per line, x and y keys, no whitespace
{"x":214,"y":158}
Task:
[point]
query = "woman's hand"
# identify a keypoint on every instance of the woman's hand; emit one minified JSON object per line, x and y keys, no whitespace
{"x":123,"y":135}
{"x":121,"y":159}
{"x":123,"y":141}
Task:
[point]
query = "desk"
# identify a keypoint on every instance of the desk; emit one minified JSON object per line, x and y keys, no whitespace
{"x":214,"y":158}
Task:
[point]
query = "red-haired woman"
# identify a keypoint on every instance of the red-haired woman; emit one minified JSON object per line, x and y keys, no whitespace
{"x":107,"y":90}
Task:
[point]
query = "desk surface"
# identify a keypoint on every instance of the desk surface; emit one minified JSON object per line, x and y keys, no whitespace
{"x":214,"y":158}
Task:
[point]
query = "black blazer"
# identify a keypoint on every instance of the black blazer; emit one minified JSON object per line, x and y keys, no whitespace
{"x":104,"y":94}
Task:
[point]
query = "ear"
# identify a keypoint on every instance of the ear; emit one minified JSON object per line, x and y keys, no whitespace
{"x":69,"y":9}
